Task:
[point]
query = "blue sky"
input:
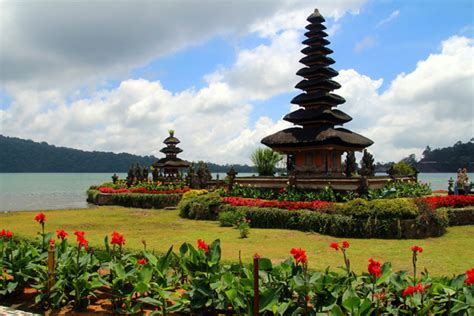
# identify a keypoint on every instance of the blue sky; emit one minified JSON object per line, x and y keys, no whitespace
{"x":225,"y":78}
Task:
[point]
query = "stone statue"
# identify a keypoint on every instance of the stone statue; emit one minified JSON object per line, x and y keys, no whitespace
{"x":145,"y":174}
{"x":115,"y":178}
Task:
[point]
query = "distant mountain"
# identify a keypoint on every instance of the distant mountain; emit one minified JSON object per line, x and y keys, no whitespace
{"x":20,"y":155}
{"x":448,"y":159}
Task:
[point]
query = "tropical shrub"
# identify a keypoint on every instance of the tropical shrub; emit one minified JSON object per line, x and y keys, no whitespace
{"x":205,"y":206}
{"x":402,"y":208}
{"x":265,"y":160}
{"x":397,"y":189}
{"x":230,"y":218}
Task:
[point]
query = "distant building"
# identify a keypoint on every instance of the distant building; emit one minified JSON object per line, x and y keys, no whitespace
{"x":171,"y":164}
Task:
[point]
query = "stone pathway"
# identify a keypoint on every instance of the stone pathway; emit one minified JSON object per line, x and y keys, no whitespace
{"x":5,"y":311}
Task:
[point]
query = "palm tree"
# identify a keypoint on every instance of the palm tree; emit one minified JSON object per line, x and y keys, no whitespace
{"x":265,"y":159}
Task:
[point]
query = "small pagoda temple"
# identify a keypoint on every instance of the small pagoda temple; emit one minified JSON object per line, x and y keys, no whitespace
{"x":171,"y":164}
{"x":315,"y":148}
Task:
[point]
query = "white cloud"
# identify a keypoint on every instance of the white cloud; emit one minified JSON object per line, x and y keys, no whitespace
{"x":390,"y":18}
{"x":432,"y":105}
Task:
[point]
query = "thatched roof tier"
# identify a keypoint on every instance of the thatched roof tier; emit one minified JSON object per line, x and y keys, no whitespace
{"x":318,"y":50}
{"x":317,"y":116}
{"x":315,"y":99}
{"x":317,"y":71}
{"x":317,"y":60}
{"x":314,"y":33}
{"x":171,"y":150}
{"x":171,"y":162}
{"x":318,"y":84}
{"x":297,"y":137}
{"x":315,"y":17}
{"x":315,"y":27}
{"x":171,"y":140}
{"x":316,"y":41}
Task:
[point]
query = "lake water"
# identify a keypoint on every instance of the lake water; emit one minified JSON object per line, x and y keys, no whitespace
{"x":39,"y":191}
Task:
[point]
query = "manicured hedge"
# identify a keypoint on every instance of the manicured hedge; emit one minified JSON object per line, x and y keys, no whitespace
{"x":426,"y":225}
{"x":134,"y":199}
{"x":395,"y":218}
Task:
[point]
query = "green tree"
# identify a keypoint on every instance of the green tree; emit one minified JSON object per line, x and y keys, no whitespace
{"x":350,"y":167}
{"x":367,"y":167}
{"x":265,"y":160}
{"x":402,"y":168}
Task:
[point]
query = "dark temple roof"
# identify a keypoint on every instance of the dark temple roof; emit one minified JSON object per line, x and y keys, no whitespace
{"x":317,"y":115}
{"x":311,"y":137}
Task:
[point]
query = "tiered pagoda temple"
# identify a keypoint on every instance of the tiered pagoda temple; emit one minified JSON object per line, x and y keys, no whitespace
{"x":315,"y":148}
{"x":171,"y":164}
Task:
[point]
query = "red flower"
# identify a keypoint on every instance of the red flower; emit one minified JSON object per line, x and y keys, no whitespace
{"x":374,"y":268}
{"x":83,"y":243}
{"x":6,"y":234}
{"x":299,"y":255}
{"x":203,"y":245}
{"x":334,"y":245}
{"x":345,"y":244}
{"x":52,"y":242}
{"x":117,"y":239}
{"x":410,"y":290}
{"x":61,"y":234}
{"x":79,"y":234}
{"x":470,"y":276}
{"x":142,"y":261}
{"x":40,"y":218}
{"x":416,"y":249}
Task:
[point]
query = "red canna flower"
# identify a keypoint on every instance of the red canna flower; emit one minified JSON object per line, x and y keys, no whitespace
{"x":470,"y":276}
{"x":345,"y":244}
{"x":334,"y":245}
{"x":83,"y":243}
{"x":374,"y":268}
{"x":142,"y":261}
{"x":117,"y":239}
{"x":299,"y":255}
{"x":416,"y":249}
{"x":79,"y":234}
{"x":410,"y":290}
{"x":40,"y":218}
{"x":202,"y":245}
{"x":52,"y":242}
{"x":6,"y":234}
{"x":61,"y":234}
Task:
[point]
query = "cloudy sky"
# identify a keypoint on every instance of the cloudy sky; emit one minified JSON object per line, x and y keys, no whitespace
{"x":115,"y":76}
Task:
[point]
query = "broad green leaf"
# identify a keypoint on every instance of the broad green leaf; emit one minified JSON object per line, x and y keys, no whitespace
{"x":264,"y":264}
{"x":386,"y":271}
{"x":350,"y":300}
{"x":337,"y":311}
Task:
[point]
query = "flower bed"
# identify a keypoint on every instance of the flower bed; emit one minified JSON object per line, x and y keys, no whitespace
{"x":289,"y":205}
{"x":450,"y":201}
{"x":194,"y":281}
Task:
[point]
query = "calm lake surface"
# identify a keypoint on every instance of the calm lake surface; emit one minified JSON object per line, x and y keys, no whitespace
{"x":41,"y":191}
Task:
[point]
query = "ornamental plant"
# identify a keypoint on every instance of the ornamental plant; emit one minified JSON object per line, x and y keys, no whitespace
{"x":344,"y":246}
{"x":41,"y":219}
{"x":243,"y":225}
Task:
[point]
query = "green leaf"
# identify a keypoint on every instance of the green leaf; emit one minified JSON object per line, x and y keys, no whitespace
{"x":151,"y":301}
{"x":268,"y":299}
{"x":282,"y":308}
{"x":337,"y":311}
{"x":231,"y":294}
{"x":264,"y":264}
{"x":119,"y":270}
{"x":145,"y":274}
{"x":215,"y":251}
{"x":386,"y":271}
{"x":350,"y":300}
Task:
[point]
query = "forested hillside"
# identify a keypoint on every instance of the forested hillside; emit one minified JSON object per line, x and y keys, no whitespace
{"x":19,"y":155}
{"x":448,"y":159}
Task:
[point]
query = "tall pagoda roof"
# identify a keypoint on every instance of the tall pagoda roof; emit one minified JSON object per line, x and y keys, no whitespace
{"x":171,"y":162}
{"x":171,"y":150}
{"x":318,"y":115}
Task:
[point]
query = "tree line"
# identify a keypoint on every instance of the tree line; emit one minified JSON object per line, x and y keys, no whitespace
{"x":20,"y":155}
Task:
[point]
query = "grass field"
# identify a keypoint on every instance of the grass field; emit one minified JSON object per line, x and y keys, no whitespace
{"x":451,"y":254}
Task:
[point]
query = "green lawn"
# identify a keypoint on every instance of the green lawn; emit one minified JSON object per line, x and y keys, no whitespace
{"x":451,"y":254}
